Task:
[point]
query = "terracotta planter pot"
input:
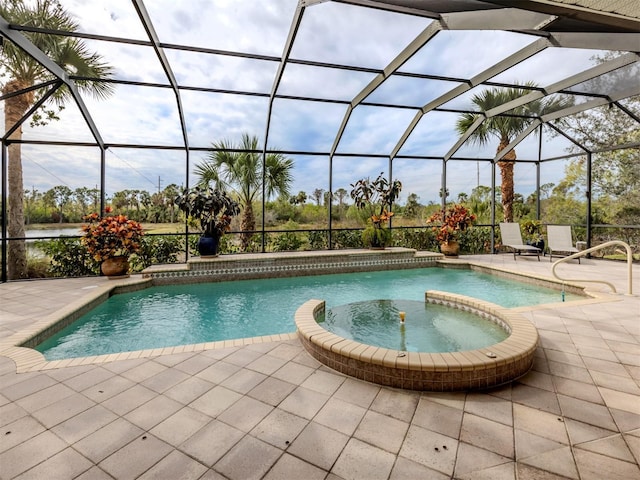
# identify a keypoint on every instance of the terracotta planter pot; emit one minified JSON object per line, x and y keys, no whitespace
{"x":450,"y":248}
{"x":115,"y":267}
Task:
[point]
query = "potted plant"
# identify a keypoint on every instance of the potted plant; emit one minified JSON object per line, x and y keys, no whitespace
{"x":374,"y":198}
{"x":533,"y":233}
{"x":110,"y":240}
{"x":214,"y":209}
{"x":452,"y":221}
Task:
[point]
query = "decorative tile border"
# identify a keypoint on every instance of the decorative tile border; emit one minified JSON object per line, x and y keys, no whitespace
{"x":279,"y":265}
{"x":472,"y":369}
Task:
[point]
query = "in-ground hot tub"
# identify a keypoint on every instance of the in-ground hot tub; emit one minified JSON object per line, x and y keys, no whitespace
{"x":435,"y":371}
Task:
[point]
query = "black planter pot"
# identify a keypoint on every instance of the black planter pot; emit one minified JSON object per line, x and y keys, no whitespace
{"x":538,"y":244}
{"x":208,"y":246}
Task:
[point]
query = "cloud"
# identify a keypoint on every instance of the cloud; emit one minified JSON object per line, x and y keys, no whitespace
{"x":138,"y":115}
{"x":143,"y":169}
{"x":374,"y":130}
{"x":45,"y":166}
{"x":464,"y":54}
{"x":319,"y":82}
{"x":330,"y":32}
{"x":398,"y":90}
{"x":255,"y":27}
{"x":205,"y":70}
{"x":212,"y":117}
{"x":305,"y":126}
{"x":539,"y":67}
{"x":348,"y":170}
{"x":137,"y":63}
{"x":117,"y":19}
{"x":433,"y":136}
{"x":346,"y":34}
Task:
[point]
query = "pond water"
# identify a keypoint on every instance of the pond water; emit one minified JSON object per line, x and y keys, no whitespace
{"x":52,"y":232}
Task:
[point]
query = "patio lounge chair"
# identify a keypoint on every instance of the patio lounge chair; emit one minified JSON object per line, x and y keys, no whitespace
{"x":511,"y":237}
{"x":559,"y":240}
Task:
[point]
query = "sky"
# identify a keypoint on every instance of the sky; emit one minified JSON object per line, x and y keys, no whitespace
{"x":329,"y":32}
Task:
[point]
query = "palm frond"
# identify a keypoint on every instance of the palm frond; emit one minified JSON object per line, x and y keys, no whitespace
{"x":71,"y":54}
{"x":239,"y":168}
{"x":278,"y":175}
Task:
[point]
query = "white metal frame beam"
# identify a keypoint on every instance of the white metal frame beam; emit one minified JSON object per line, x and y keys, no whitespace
{"x":423,"y":37}
{"x":565,"y":112}
{"x":581,"y":77}
{"x":513,"y":59}
{"x":501,"y":19}
{"x":598,"y":70}
{"x":56,"y":70}
{"x":166,"y":66}
{"x":626,"y":42}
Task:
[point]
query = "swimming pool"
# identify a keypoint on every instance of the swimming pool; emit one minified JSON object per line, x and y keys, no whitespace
{"x":166,"y":316}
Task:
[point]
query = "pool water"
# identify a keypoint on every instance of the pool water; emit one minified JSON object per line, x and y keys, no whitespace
{"x":427,"y":327}
{"x":167,"y":316}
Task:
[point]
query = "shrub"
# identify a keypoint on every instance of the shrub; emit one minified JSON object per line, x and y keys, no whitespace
{"x":452,"y":222}
{"x":475,"y":240}
{"x":374,"y":198}
{"x":347,"y":239}
{"x":318,"y":239}
{"x":156,"y":249}
{"x":253,"y":245}
{"x":213,"y":208}
{"x":68,"y":257}
{"x":419,"y":239}
{"x":472,"y":240}
{"x":377,"y":237}
{"x":286,"y":242}
{"x":37,"y":267}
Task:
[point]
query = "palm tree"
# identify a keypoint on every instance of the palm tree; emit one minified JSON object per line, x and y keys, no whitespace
{"x":341,"y":194}
{"x":317,"y":195}
{"x":506,"y":128}
{"x":23,"y":72}
{"x":170,"y":192}
{"x":240,"y":169}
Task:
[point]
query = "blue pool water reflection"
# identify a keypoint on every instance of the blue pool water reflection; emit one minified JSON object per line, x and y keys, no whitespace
{"x":166,"y":316}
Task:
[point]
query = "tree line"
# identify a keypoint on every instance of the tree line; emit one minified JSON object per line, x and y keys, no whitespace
{"x":61,"y":204}
{"x":561,"y":203}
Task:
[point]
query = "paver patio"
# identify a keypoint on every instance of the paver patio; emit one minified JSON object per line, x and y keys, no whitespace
{"x":270,"y":411}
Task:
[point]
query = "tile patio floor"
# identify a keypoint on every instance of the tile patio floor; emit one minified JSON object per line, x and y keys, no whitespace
{"x":270,"y":411}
